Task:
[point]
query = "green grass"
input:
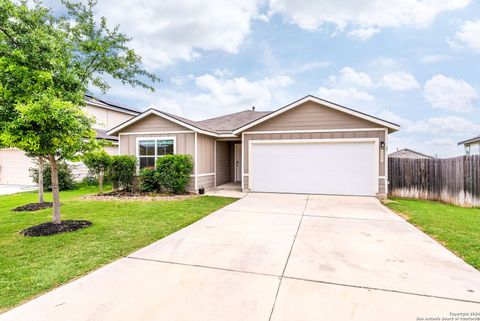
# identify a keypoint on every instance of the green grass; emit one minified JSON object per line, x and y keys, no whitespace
{"x":31,"y":266}
{"x":455,"y":227}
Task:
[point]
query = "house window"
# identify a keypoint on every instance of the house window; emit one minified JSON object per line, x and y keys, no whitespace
{"x":149,"y":149}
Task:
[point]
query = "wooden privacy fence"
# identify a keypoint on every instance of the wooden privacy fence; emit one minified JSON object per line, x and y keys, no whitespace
{"x":452,"y":180}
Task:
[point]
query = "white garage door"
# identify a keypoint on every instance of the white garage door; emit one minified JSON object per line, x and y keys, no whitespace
{"x":14,"y":167}
{"x":347,"y":168}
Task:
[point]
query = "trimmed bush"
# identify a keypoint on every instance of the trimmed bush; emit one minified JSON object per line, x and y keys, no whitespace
{"x":174,"y":172}
{"x":98,"y":164}
{"x":122,"y":171}
{"x":150,"y":181}
{"x":65,"y":177}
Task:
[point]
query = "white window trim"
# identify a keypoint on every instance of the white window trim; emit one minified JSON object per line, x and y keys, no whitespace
{"x":137,"y":150}
{"x":376,"y":141}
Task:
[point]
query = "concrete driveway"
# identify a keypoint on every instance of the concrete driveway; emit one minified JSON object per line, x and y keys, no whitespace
{"x":275,"y":257}
{"x":13,"y":189}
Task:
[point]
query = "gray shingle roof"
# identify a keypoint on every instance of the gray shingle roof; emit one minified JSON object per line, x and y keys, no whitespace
{"x":106,"y":104}
{"x":228,"y":123}
{"x":102,"y":134}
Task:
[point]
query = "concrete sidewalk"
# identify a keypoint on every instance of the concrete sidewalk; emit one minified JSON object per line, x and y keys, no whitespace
{"x":275,"y":257}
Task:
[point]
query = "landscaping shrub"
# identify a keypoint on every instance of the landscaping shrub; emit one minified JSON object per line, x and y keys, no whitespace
{"x":98,"y":164}
{"x":122,"y":171}
{"x":65,"y":177}
{"x":174,"y":172}
{"x":150,"y":181}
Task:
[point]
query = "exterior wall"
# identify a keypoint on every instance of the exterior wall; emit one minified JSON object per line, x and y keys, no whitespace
{"x":312,"y":116}
{"x":474,"y":148}
{"x":319,"y":135}
{"x":205,"y":154}
{"x":111,"y":150}
{"x":223,"y":163}
{"x":154,"y":123}
{"x":207,"y":182}
{"x":106,"y":118}
{"x":14,"y":165}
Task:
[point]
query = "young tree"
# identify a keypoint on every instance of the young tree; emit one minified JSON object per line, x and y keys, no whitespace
{"x":47,"y":63}
{"x":97,"y":164}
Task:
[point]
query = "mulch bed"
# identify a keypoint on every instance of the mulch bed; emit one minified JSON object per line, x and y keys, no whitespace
{"x":137,"y":196}
{"x":50,"y":228}
{"x":33,"y":207}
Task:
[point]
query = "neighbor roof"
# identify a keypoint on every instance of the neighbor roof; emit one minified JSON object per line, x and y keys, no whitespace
{"x":401,"y":152}
{"x":110,"y":105}
{"x":102,"y":134}
{"x":233,"y":124}
{"x":471,"y":140}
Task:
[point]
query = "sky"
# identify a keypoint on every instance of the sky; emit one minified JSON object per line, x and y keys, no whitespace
{"x":414,"y":63}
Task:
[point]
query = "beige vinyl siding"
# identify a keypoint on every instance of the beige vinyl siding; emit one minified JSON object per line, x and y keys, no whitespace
{"x":205,"y":154}
{"x":206,"y":181}
{"x":335,"y":135}
{"x":106,"y":118}
{"x":312,"y":116}
{"x":111,"y":150}
{"x":224,"y":163}
{"x":153,"y":123}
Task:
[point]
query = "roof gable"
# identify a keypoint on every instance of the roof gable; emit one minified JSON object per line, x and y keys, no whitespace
{"x":355,"y":118}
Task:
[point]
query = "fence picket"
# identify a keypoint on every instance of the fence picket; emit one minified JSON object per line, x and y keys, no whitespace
{"x":452,"y":180}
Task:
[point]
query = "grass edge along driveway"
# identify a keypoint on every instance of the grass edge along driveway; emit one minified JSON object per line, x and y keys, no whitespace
{"x":457,"y":228}
{"x":32,"y":266}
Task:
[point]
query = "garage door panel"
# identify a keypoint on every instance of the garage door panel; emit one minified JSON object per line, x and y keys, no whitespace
{"x":14,"y":165}
{"x":320,"y":168}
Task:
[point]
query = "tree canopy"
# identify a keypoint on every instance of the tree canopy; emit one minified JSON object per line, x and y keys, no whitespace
{"x":47,"y":65}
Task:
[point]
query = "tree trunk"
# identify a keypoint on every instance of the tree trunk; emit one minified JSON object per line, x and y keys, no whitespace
{"x":100,"y":181}
{"x":40,"y":179}
{"x":55,"y":190}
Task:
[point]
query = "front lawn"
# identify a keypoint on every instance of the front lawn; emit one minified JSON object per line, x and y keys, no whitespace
{"x":30,"y":266}
{"x":456,"y":227}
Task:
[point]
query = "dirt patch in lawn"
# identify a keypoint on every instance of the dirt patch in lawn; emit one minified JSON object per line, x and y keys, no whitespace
{"x":33,"y":207}
{"x":50,"y":228}
{"x":137,"y":196}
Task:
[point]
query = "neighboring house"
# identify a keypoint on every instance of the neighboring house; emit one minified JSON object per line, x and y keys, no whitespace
{"x":408,"y":153}
{"x":14,"y":165}
{"x":472,"y":145}
{"x":309,"y":146}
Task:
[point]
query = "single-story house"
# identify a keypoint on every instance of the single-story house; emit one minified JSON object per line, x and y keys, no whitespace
{"x":408,"y":153}
{"x":14,"y":164}
{"x":472,"y":145}
{"x":309,"y":146}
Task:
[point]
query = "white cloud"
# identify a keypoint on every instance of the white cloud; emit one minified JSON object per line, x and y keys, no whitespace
{"x":468,"y":36}
{"x":363,"y":34}
{"x":444,"y":125}
{"x":165,"y":31}
{"x":432,"y":136}
{"x":214,"y":95}
{"x":394,"y":118}
{"x":349,"y":77}
{"x":400,"y":81}
{"x":348,"y":96}
{"x":181,"y":80}
{"x":298,"y":69}
{"x":449,"y":94}
{"x":311,"y":15}
{"x":431,"y":59}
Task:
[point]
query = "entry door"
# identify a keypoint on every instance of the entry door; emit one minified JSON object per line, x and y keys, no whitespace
{"x":238,"y":162}
{"x":348,"y":168}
